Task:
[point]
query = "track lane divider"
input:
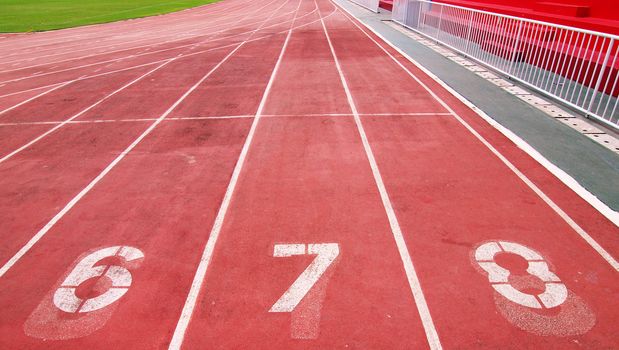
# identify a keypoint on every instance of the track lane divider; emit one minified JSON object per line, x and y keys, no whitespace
{"x":82,"y":112}
{"x":130,"y":55}
{"x":71,"y":119}
{"x":165,"y":59}
{"x":54,"y":88}
{"x":116,"y":59}
{"x":96,"y":34}
{"x":207,"y":255}
{"x":411,"y":274}
{"x":41,"y":233}
{"x":560,"y":212}
{"x":309,"y":115}
{"x":184,"y":31}
{"x":42,"y":73}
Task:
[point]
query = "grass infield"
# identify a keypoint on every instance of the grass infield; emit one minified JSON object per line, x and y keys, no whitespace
{"x":38,"y":15}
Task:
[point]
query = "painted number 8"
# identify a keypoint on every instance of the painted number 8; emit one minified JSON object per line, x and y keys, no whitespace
{"x":65,"y":297}
{"x":555,"y":292}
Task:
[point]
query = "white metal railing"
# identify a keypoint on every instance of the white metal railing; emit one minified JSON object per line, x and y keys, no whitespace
{"x":576,"y":66}
{"x":371,"y":5}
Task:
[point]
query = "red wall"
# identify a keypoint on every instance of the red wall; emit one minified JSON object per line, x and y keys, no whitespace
{"x":603,"y":14}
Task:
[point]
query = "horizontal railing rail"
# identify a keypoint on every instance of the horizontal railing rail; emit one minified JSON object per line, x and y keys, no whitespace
{"x":575,"y":66}
{"x":371,"y":5}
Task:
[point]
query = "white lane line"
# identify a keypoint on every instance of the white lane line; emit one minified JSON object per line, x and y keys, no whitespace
{"x":398,"y":114}
{"x":165,"y":62}
{"x":207,"y":255}
{"x":215,"y":117}
{"x":37,"y":237}
{"x":95,"y":121}
{"x":184,"y":55}
{"x":91,"y":32}
{"x":565,"y":178}
{"x":163,"y":28}
{"x":185,"y":31}
{"x":82,"y":112}
{"x":37,"y":96}
{"x":411,"y":274}
{"x":114,"y":60}
{"x":138,"y":27}
{"x":83,"y":77}
{"x":228,"y":28}
{"x":309,"y":115}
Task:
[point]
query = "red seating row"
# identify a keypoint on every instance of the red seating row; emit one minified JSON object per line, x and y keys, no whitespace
{"x":386,"y":4}
{"x":597,"y":15}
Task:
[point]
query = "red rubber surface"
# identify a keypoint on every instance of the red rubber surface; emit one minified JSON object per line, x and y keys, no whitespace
{"x":270,"y":102}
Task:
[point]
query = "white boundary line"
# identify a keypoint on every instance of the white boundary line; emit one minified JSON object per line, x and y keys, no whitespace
{"x":37,"y":237}
{"x":129,"y":54}
{"x":37,"y":96}
{"x":226,"y":27}
{"x":184,"y":30}
{"x":40,"y":74}
{"x":199,"y":36}
{"x":63,"y":123}
{"x":35,"y":140}
{"x":133,"y":28}
{"x":561,"y":175}
{"x":94,"y":32}
{"x":207,"y":255}
{"x":83,"y":77}
{"x":411,"y":274}
{"x":309,"y":115}
{"x":165,"y":59}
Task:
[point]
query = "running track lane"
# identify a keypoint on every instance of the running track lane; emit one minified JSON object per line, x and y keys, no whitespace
{"x":183,"y":163}
{"x":238,"y":20}
{"x":441,"y":231}
{"x":69,"y":102}
{"x":119,"y":35}
{"x":451,"y":195}
{"x":93,"y":147}
{"x":306,"y":180}
{"x":48,"y":174}
{"x":70,"y":99}
{"x":28,"y":88}
{"x":40,"y":180}
{"x":17,"y":80}
{"x":123,"y":35}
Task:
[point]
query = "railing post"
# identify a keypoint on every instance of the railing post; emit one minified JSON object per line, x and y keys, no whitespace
{"x":407,"y":2}
{"x":419,"y":17}
{"x":468,"y":34}
{"x":513,"y":58}
{"x":599,"y":80}
{"x":440,"y":19}
{"x":534,"y":53}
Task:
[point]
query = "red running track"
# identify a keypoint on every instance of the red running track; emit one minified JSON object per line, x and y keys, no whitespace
{"x":273,"y":175}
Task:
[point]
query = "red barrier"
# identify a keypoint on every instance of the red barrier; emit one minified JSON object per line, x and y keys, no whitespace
{"x":598,"y":15}
{"x":535,"y":41}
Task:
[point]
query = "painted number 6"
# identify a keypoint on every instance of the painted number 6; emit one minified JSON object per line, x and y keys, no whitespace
{"x":65,"y":297}
{"x":555,"y":292}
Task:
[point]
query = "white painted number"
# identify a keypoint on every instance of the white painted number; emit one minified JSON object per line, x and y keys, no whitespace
{"x":555,"y":292}
{"x":65,"y":297}
{"x":83,"y":301}
{"x":326,"y":253}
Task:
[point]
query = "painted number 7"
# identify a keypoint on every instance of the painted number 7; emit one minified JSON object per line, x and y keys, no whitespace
{"x":325,"y":253}
{"x":308,"y":289}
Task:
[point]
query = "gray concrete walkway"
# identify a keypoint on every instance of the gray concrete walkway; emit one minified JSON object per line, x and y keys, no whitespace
{"x":595,"y":167}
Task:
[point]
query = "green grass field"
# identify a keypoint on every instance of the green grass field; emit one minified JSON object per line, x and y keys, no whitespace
{"x":37,"y":15}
